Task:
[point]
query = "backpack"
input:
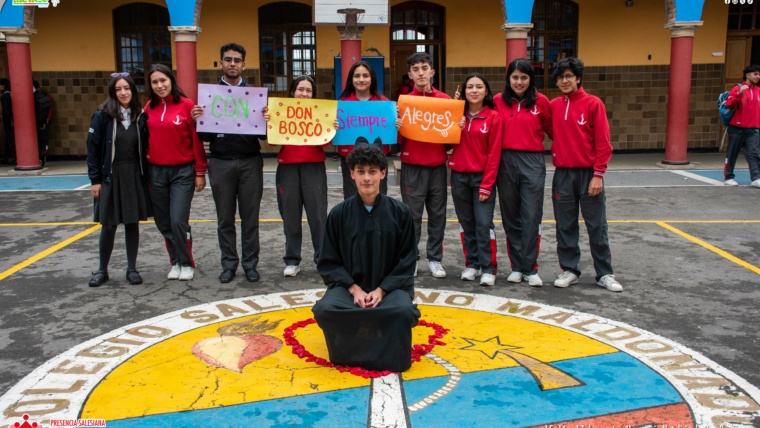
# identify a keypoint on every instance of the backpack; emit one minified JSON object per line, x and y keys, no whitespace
{"x":725,"y":113}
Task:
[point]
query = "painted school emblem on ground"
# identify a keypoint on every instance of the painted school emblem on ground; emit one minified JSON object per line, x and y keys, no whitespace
{"x":501,"y":362}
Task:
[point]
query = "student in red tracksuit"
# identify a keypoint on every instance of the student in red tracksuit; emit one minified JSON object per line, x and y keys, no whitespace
{"x":474,"y":164}
{"x":526,"y":116}
{"x":361,"y":85}
{"x":580,"y":153}
{"x":301,"y":184}
{"x":744,"y":127}
{"x":423,"y":174}
{"x":178,"y":166}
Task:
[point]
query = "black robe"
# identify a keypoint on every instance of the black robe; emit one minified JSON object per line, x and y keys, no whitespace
{"x":371,"y":249}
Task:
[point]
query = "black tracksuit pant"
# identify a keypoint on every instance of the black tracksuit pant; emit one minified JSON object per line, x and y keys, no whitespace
{"x":521,"y":182}
{"x":171,"y":191}
{"x":475,"y":220}
{"x":570,"y":191}
{"x":424,"y":188}
{"x":302,"y":186}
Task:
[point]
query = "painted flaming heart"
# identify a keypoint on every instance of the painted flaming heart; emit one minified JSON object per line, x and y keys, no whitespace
{"x":239,"y":344}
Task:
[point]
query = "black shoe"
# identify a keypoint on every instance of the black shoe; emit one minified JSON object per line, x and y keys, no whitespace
{"x":226,"y":276}
{"x":98,"y":278}
{"x":252,"y":275}
{"x":134,"y":277}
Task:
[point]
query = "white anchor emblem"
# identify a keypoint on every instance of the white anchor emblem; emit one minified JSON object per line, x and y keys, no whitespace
{"x":484,"y":129}
{"x":535,"y":111}
{"x":177,"y":121}
{"x":582,"y":121}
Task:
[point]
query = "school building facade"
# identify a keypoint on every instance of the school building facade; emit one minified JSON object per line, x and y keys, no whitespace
{"x":633,"y":50}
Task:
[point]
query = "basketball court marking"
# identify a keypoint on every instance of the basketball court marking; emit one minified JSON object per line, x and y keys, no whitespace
{"x":665,"y":224}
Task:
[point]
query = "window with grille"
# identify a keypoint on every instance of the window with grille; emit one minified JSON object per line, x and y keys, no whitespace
{"x":141,"y":33}
{"x":743,"y":16}
{"x":554,"y":36}
{"x":288,"y":45}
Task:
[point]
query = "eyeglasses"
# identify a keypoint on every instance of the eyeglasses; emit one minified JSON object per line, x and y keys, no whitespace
{"x":567,"y":77}
{"x":122,"y":74}
{"x":229,"y":59}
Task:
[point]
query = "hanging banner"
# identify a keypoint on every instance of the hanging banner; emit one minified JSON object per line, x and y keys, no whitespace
{"x":301,"y":122}
{"x":431,"y":120}
{"x":368,"y":119}
{"x":231,"y":109}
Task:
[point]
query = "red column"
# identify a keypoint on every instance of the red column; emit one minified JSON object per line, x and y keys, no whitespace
{"x":20,"y":69}
{"x":517,"y":40}
{"x":187,"y":62}
{"x":350,"y":52}
{"x":679,"y":91}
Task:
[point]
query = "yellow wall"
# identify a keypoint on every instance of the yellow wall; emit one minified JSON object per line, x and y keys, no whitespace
{"x":611,"y":34}
{"x":78,"y":34}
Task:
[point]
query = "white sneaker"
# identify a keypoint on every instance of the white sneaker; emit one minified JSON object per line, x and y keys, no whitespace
{"x":291,"y":270}
{"x":609,"y":282}
{"x":436,"y":269}
{"x":186,"y":273}
{"x":534,"y":280}
{"x":469,"y":274}
{"x":565,"y":279}
{"x":416,"y":265}
{"x":755,"y":183}
{"x":731,"y":182}
{"x":487,"y":279}
{"x":174,"y":273}
{"x":515,"y":277}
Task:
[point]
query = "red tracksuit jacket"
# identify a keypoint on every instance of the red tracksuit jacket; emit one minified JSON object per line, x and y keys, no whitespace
{"x":418,"y":153}
{"x":581,"y":132}
{"x":524,"y":129}
{"x":172,"y":137}
{"x":747,"y":114}
{"x":479,"y":148}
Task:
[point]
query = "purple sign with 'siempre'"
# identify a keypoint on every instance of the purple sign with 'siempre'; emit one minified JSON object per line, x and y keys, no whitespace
{"x":231,"y":109}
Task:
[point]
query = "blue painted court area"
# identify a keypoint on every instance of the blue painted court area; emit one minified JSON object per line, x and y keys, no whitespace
{"x":52,"y":182}
{"x":740,"y":175}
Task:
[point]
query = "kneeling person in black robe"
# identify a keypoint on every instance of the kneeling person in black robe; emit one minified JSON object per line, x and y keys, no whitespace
{"x":367,"y":260}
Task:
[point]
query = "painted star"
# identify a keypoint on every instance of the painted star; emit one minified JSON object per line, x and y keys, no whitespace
{"x":490,"y":347}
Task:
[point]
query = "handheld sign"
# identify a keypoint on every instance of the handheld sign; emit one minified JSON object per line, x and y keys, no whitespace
{"x":371,"y":120}
{"x":431,"y":120}
{"x":231,"y":109}
{"x":301,"y":122}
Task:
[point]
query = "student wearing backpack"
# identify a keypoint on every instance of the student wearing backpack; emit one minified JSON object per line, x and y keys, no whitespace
{"x":744,"y":126}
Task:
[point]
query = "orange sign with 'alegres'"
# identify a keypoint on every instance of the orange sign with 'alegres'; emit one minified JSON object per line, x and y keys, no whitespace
{"x":432,"y":120}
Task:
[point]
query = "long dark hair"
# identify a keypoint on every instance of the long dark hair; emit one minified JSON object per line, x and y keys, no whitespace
{"x":523,"y":65}
{"x":176,"y":90}
{"x":349,"y":89}
{"x":299,"y":79}
{"x":487,"y":100}
{"x":111,"y":105}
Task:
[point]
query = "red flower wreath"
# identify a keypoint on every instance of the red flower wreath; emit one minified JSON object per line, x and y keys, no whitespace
{"x":417,"y":350}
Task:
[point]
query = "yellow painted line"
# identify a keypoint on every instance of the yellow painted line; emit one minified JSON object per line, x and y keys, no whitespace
{"x":49,"y":251}
{"x":712,"y":248}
